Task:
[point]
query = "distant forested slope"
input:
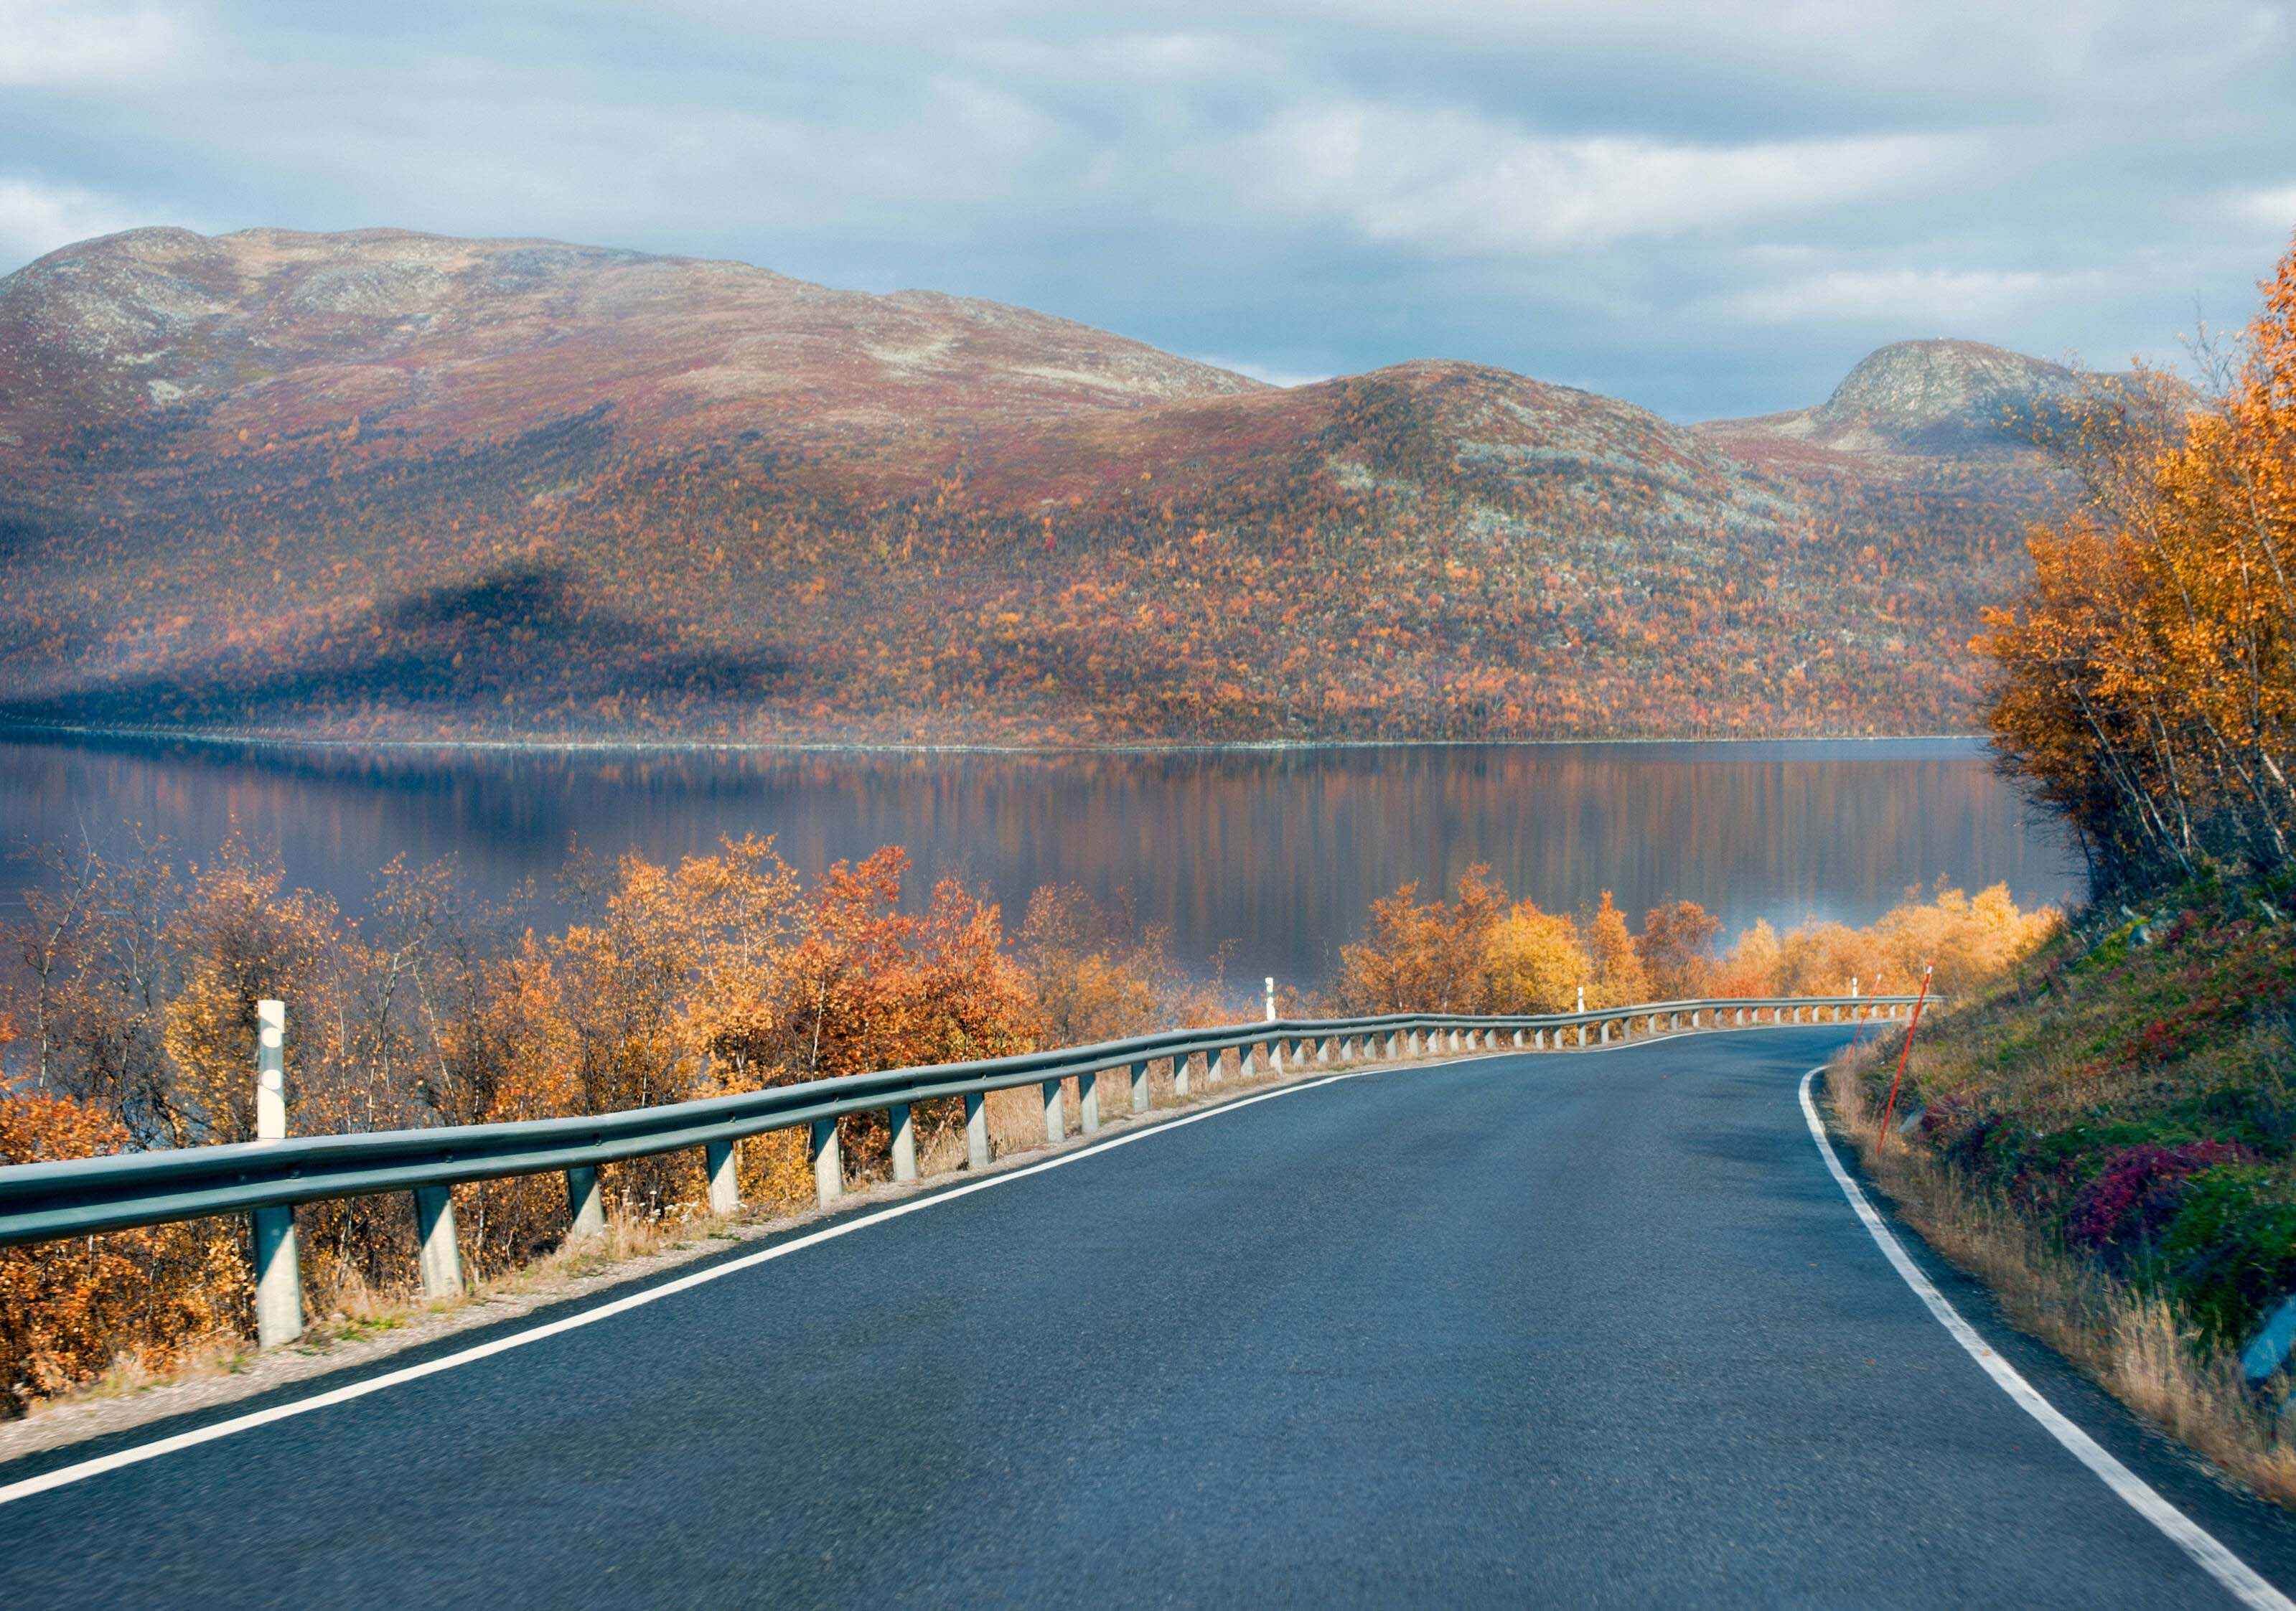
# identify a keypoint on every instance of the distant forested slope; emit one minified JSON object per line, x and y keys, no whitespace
{"x":384,"y":484}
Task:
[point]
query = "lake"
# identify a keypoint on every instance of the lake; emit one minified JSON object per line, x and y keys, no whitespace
{"x":1277,"y":851}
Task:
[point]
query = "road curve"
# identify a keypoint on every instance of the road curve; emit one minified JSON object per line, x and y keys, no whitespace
{"x":1562,"y":1329}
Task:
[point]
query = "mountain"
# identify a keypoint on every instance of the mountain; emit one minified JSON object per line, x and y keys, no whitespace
{"x":446,"y":341}
{"x":390,"y":484}
{"x":1922,"y":398}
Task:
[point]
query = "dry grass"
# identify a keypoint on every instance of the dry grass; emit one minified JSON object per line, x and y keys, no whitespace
{"x":2131,"y":1343}
{"x":201,"y":1360}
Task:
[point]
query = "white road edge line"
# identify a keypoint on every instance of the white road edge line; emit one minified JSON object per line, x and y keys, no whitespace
{"x":2211,"y":1556}
{"x":80,"y":1471}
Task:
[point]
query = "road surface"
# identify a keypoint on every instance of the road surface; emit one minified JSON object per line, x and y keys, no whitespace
{"x":1580,"y":1329}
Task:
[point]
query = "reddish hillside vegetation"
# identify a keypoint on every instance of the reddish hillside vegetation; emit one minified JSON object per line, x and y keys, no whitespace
{"x":382,"y":484}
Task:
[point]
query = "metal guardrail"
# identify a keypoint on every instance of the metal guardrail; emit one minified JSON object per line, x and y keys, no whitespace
{"x":81,"y":1197}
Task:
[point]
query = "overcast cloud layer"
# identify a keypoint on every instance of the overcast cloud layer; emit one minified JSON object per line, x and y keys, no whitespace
{"x":1710,"y":209}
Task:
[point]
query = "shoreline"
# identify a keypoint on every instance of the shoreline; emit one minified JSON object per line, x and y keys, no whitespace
{"x":27,"y":732}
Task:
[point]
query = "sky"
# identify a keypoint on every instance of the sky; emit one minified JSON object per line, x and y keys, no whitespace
{"x":1708,"y":209}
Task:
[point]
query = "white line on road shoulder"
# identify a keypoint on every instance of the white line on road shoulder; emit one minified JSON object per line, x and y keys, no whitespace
{"x":2211,"y":1556}
{"x":81,"y":1470}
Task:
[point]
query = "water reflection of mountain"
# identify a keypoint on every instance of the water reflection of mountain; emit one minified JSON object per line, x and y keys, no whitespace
{"x":1280,"y":850}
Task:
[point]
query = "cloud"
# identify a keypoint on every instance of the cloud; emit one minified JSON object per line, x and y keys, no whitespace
{"x":2274,"y":209}
{"x":1447,"y":183}
{"x":1710,"y":207}
{"x":66,"y":42}
{"x":1925,"y":301}
{"x":1273,"y":376}
{"x":36,"y":218}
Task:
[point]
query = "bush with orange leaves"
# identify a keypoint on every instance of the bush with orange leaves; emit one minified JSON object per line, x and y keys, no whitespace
{"x":723,"y":973}
{"x":720,"y":974}
{"x":70,"y":1310}
{"x":1478,"y":953}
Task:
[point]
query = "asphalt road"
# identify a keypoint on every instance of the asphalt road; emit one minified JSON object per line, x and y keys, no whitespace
{"x":1579,"y":1330}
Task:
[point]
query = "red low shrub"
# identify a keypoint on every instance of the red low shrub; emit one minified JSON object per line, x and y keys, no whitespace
{"x":2137,"y":1192}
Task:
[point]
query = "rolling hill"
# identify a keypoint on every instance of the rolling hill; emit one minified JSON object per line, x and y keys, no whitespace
{"x":391,"y":484}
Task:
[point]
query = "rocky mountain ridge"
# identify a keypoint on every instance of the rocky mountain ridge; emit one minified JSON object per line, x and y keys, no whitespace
{"x":438,"y":340}
{"x":1932,"y":398}
{"x":384,"y":484}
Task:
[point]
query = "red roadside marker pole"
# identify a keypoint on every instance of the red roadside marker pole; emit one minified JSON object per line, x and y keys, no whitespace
{"x":1911,"y":1023}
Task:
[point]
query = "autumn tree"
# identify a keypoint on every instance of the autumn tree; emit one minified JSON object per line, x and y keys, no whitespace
{"x":242,"y":937}
{"x":1537,"y":960}
{"x":1425,"y":958}
{"x":1619,"y":978}
{"x":2145,"y":685}
{"x":1675,"y":946}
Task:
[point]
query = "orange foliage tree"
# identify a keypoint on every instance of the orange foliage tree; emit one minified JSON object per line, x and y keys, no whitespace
{"x":723,"y":973}
{"x":2146,"y":685}
{"x":1532,"y":962}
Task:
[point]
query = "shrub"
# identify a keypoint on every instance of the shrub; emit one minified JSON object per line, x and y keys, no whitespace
{"x":2125,"y":1206}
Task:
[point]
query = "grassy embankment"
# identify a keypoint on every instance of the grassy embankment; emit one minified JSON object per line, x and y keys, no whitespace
{"x":2107,"y":1136}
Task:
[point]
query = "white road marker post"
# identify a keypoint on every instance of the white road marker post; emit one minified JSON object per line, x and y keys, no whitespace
{"x":904,"y":1127}
{"x":722,"y":1163}
{"x":976,"y":1131}
{"x":441,"y":1252}
{"x":278,"y":1280}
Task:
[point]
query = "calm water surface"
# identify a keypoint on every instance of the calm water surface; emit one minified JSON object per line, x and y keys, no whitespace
{"x":1279,"y":852}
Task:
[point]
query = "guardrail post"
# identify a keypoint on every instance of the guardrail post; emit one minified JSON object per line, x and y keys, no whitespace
{"x":1056,"y":1122}
{"x":828,"y":1162}
{"x":1582,"y":1035}
{"x":434,"y":1229}
{"x":1088,"y":1102}
{"x":1323,"y":1048}
{"x":1140,"y":1087}
{"x":1274,"y":1055}
{"x":1216,"y":1065}
{"x":1606,"y":1032}
{"x":722,"y":1162}
{"x":278,"y":1274}
{"x":585,"y":1209}
{"x":1180,"y":1065}
{"x":904,"y":1140}
{"x":976,"y":1129}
